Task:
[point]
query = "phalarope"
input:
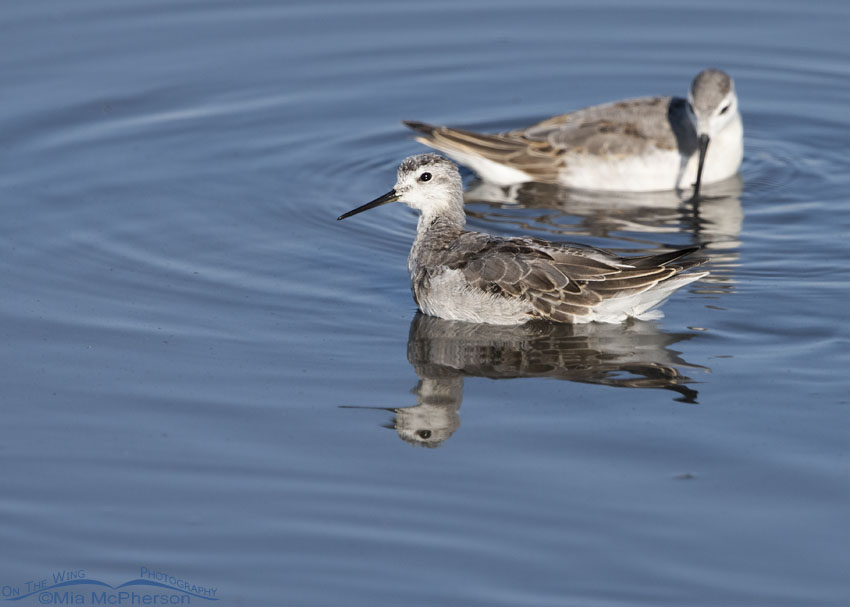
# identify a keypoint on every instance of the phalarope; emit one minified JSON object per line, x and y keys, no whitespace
{"x":644,"y":144}
{"x":471,"y":276}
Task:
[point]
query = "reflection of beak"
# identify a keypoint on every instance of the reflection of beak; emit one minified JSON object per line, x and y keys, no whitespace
{"x":703,"y":146}
{"x":390,"y":196}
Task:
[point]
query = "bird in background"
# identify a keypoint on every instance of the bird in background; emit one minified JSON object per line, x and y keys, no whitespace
{"x":639,"y":145}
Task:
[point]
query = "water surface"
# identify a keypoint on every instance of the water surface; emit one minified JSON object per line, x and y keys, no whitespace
{"x":207,"y":375}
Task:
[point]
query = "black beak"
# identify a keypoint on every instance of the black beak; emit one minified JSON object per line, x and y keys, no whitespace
{"x":703,"y":146}
{"x":390,"y":196}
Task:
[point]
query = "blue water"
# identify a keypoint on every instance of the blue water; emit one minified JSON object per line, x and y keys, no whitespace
{"x":207,"y":376}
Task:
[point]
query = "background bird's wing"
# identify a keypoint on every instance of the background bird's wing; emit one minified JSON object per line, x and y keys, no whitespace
{"x":629,"y":127}
{"x":538,"y":159}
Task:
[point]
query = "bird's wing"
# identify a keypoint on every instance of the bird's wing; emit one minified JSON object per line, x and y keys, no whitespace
{"x":562,"y":282}
{"x":624,"y":128}
{"x":627,"y":128}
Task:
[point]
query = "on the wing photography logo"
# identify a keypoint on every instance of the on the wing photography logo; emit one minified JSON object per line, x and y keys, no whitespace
{"x":74,"y":587}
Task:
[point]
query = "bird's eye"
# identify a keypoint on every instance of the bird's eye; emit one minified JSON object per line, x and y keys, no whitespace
{"x":725,"y":108}
{"x":425,"y":434}
{"x":425,"y":177}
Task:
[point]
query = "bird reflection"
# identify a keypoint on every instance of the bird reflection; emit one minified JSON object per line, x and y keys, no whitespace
{"x":443,"y":352}
{"x":645,"y":218}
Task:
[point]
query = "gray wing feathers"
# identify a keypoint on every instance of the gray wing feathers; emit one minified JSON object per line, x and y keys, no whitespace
{"x":563,"y":282}
{"x":622,"y":128}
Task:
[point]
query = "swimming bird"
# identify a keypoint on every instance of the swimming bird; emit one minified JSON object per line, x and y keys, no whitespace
{"x":640,"y":145}
{"x":458,"y":274}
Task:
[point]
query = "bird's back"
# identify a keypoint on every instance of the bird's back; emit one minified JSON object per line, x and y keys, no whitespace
{"x":480,"y":278}
{"x":627,"y":127}
{"x":634,"y":144}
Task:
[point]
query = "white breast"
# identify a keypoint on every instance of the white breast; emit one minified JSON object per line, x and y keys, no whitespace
{"x":449,"y":296}
{"x":724,"y":155}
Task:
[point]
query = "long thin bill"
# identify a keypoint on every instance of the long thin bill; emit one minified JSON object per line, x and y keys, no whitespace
{"x":703,"y":147}
{"x":390,"y":196}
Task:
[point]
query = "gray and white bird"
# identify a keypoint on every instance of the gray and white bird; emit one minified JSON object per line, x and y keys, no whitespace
{"x":458,"y":274}
{"x":639,"y":145}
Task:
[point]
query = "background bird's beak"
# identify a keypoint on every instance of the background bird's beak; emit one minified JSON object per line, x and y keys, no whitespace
{"x":703,"y":146}
{"x":390,"y":196}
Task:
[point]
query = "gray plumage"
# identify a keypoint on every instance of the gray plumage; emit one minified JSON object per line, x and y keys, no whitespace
{"x":462,"y":275}
{"x":709,"y":88}
{"x":634,"y":127}
{"x":640,"y":144}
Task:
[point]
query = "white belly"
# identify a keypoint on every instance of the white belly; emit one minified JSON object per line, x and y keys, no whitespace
{"x":657,"y":171}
